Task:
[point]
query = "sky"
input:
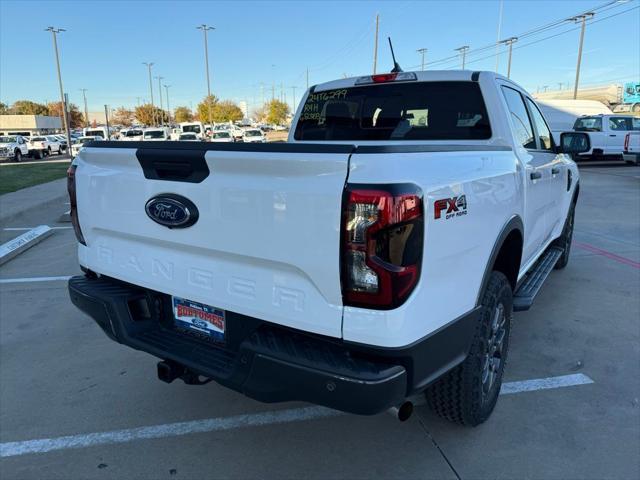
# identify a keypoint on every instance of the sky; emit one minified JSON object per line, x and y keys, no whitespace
{"x":261,"y":44}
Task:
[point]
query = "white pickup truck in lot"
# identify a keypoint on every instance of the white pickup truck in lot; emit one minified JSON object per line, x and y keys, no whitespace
{"x":607,"y":134}
{"x":13,"y":147}
{"x":631,"y":153}
{"x":376,"y":255}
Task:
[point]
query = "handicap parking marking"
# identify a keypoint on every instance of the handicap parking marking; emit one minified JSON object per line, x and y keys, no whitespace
{"x":35,"y":279}
{"x":275,"y":417}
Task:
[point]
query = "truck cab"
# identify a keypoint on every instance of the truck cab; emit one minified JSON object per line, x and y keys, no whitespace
{"x":607,"y":134}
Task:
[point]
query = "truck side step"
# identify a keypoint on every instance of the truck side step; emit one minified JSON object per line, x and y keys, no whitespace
{"x":527,"y":291}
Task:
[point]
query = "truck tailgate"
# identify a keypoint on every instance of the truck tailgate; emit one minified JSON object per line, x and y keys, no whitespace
{"x":267,"y":240}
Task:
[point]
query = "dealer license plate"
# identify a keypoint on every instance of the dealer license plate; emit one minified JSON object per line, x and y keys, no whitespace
{"x":199,"y":318}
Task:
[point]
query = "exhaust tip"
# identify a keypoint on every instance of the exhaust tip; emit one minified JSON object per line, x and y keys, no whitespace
{"x":402,"y":412}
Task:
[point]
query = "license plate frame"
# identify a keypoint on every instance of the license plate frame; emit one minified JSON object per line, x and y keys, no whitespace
{"x":200,"y":319}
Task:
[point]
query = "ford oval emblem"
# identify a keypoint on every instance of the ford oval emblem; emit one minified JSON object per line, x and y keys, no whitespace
{"x":172,"y":211}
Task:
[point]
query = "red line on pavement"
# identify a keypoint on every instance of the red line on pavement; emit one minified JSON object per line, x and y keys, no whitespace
{"x":609,"y":255}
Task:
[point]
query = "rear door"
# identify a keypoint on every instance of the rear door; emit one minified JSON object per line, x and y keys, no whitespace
{"x":267,"y":240}
{"x":617,"y":130}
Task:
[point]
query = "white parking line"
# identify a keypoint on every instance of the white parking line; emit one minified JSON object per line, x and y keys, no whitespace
{"x":276,"y":417}
{"x":34,"y":279}
{"x":19,"y":229}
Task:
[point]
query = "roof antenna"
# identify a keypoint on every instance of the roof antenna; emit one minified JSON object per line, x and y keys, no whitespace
{"x":396,"y":68}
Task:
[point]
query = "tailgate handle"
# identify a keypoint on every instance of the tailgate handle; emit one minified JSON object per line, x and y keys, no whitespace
{"x":173,"y":165}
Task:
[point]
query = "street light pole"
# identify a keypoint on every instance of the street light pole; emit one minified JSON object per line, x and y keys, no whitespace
{"x":583,"y":19}
{"x":509,"y":41}
{"x":54,"y":32}
{"x":86,"y":110}
{"x":153,"y":110}
{"x":166,"y":88}
{"x":160,"y":95}
{"x":422,"y":51}
{"x":463,"y":52}
{"x":205,"y":28}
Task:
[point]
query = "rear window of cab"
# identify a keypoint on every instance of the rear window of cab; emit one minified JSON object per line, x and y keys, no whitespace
{"x":396,"y":111}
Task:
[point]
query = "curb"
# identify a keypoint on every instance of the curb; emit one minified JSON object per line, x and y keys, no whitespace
{"x":17,"y":204}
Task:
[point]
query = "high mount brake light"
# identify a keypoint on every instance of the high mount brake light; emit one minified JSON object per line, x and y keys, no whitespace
{"x":73,"y":212}
{"x":387,"y":77}
{"x":382,"y":237}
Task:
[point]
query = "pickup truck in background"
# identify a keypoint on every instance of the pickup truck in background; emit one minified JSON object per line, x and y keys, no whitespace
{"x":631,"y":153}
{"x":375,"y":256}
{"x":13,"y":147}
{"x":39,"y":146}
{"x":606,"y":134}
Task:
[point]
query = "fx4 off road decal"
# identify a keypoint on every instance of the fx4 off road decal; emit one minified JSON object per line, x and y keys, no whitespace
{"x":452,"y":207}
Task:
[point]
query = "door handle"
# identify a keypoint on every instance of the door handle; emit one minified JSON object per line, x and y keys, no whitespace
{"x":536,"y":175}
{"x":555,"y":171}
{"x":613,"y":135}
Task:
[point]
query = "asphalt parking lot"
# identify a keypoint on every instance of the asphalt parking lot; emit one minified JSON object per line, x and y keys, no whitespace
{"x":73,"y":404}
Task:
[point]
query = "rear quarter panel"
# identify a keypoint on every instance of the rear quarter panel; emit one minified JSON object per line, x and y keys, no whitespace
{"x":456,"y":249}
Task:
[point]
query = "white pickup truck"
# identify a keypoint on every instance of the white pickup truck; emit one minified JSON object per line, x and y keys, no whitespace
{"x":631,"y":153}
{"x":376,"y":255}
{"x":607,"y":134}
{"x":13,"y":147}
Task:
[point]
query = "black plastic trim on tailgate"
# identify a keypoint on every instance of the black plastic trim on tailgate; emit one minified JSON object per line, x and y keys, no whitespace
{"x":173,"y":165}
{"x":274,"y":147}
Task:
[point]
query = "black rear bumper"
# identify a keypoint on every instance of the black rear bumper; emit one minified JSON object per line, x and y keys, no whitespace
{"x":272,"y":363}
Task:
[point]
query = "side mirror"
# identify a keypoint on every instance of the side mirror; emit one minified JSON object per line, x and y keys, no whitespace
{"x":574,"y":142}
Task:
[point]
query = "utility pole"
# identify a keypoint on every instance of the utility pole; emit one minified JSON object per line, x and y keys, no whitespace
{"x":160,"y":95}
{"x":86,"y":110}
{"x":54,"y":32}
{"x":583,"y":19}
{"x":293,"y":87}
{"x":166,"y":88}
{"x":422,"y":51}
{"x":205,"y":28}
{"x":106,"y":118}
{"x":463,"y":52}
{"x":509,"y":41}
{"x":559,"y":85}
{"x":282,"y":91}
{"x":153,"y":110}
{"x":375,"y":45}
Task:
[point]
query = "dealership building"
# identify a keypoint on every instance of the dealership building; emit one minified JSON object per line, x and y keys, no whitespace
{"x":29,"y":124}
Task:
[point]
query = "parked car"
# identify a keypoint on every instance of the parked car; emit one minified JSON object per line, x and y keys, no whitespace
{"x":191,"y":127}
{"x":607,"y":134}
{"x":97,"y":132}
{"x":39,"y":147}
{"x":253,"y":135}
{"x":631,"y":153}
{"x":63,"y":142}
{"x":13,"y":147}
{"x":131,"y":134}
{"x":155,"y":134}
{"x":374,"y":256}
{"x":188,"y":137}
{"x":222,"y":136}
{"x":81,"y":142}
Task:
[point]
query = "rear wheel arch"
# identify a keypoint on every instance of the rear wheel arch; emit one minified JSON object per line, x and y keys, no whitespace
{"x":506,"y":255}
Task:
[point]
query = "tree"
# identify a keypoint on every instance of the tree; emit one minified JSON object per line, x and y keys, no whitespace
{"x":226,"y":111}
{"x":76,"y":119}
{"x":4,"y":109}
{"x":277,"y":112}
{"x":183,"y":114}
{"x":203,"y":108}
{"x":27,"y":107}
{"x":148,"y":114}
{"x":123,"y":116}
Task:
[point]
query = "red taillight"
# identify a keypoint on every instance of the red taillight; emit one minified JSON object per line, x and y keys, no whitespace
{"x":73,"y":212}
{"x":384,"y":77}
{"x":382,"y":236}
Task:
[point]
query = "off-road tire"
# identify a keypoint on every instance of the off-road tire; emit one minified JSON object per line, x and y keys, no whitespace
{"x":564,"y":241}
{"x":461,"y":395}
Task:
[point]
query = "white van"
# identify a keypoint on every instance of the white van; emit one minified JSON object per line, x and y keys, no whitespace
{"x":191,"y":127}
